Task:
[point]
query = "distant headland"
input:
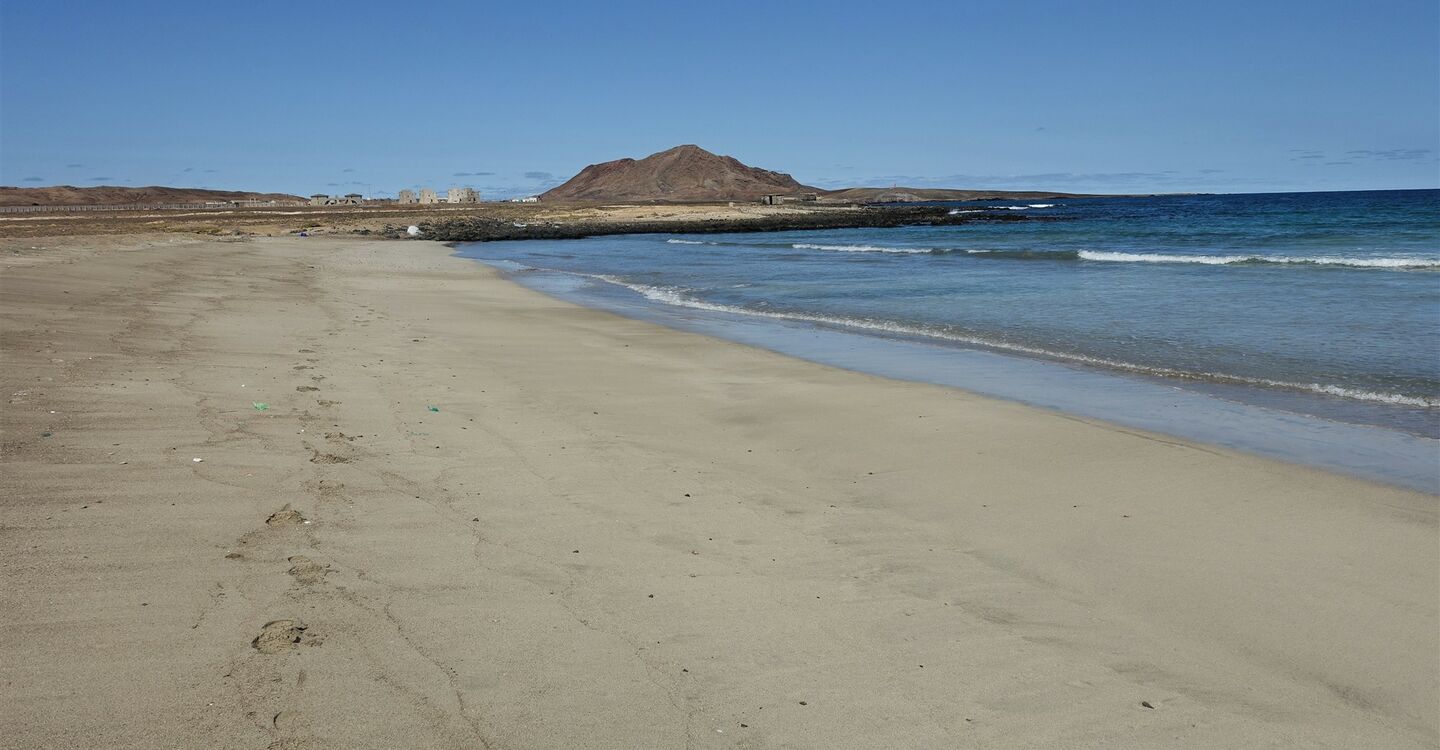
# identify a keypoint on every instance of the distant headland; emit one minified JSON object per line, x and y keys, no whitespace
{"x":683,"y":174}
{"x":690,"y":174}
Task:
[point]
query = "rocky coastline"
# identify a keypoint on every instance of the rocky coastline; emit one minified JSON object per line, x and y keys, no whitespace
{"x":484,"y":229}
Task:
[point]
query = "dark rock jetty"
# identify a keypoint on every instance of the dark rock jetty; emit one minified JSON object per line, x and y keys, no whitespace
{"x":481,"y":229}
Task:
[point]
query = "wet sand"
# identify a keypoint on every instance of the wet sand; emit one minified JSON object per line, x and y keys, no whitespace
{"x":435,"y":509}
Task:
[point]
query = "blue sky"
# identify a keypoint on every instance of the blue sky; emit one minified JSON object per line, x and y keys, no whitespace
{"x":512,"y":97}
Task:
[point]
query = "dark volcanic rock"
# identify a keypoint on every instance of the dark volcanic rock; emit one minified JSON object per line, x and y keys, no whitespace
{"x":487,"y":230}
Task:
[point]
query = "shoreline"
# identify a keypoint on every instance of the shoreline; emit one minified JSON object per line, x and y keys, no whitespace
{"x":1374,"y":452}
{"x":520,"y":522}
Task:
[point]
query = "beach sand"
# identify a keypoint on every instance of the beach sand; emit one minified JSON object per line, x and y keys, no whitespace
{"x":469,"y":515}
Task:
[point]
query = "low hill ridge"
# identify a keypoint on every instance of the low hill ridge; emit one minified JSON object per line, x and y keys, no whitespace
{"x":107,"y":195}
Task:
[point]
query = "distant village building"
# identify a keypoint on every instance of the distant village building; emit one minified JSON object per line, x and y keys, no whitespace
{"x":349,"y":199}
{"x":462,"y":195}
{"x":776,"y":199}
{"x":526,"y":199}
{"x":428,"y":196}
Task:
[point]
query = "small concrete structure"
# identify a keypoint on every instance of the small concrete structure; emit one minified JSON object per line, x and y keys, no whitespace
{"x":349,"y":199}
{"x":776,"y":199}
{"x":462,"y":195}
{"x":428,"y":196}
{"x":407,"y":196}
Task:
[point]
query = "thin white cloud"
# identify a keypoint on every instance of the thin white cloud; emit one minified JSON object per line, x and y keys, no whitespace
{"x":1391,"y":154}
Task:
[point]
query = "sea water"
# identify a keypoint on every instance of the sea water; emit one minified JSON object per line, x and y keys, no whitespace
{"x":1313,"y":309}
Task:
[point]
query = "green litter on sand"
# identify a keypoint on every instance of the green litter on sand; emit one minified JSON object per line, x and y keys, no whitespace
{"x":261,"y":406}
{"x":432,"y":407}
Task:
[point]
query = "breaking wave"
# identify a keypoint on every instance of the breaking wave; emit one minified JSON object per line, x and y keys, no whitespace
{"x":1280,"y":260}
{"x":867,"y":249}
{"x":1101,"y":256}
{"x":1211,"y":260}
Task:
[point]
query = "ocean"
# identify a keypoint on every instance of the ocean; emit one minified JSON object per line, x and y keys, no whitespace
{"x":1321,"y":309}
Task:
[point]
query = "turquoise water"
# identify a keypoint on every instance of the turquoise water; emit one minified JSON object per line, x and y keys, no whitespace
{"x":1318,"y":304}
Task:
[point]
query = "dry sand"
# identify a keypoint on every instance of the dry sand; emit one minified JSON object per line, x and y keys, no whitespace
{"x":614,"y":535}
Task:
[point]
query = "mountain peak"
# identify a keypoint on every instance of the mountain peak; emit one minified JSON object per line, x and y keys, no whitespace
{"x":684,"y":173}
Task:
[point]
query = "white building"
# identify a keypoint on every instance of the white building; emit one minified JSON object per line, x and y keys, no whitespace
{"x":407,"y":196}
{"x":462,"y":195}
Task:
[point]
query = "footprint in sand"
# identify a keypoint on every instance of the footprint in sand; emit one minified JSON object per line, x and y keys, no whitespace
{"x":305,"y":570}
{"x":279,"y":636}
{"x":325,"y":489}
{"x":285,"y":720}
{"x":285,"y":517}
{"x":306,"y":388}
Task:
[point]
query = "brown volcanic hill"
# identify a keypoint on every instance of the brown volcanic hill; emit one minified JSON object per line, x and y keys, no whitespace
{"x":911,"y":195}
{"x":105,"y":195}
{"x":683,"y":173}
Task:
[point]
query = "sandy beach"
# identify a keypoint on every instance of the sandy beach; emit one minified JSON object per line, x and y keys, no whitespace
{"x":342,"y":493}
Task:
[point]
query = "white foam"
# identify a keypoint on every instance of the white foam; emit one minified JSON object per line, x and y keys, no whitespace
{"x":1387,"y":398}
{"x":1041,"y":205}
{"x":861,"y":248}
{"x":677,"y":297}
{"x":688,"y":242}
{"x":1223,"y":260}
